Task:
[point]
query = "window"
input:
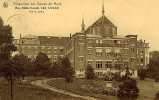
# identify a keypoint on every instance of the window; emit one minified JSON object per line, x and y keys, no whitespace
{"x":117,"y":50}
{"x":89,"y":51}
{"x":89,"y":62}
{"x":55,"y":50}
{"x":98,"y":64}
{"x":100,"y":41}
{"x":107,"y":55}
{"x":133,"y":50}
{"x":97,"y":41}
{"x":108,"y":64}
{"x":142,"y":60}
{"x":98,"y":52}
{"x":99,"y":73}
{"x":115,"y":41}
{"x":107,"y":50}
{"x":61,"y":49}
{"x":81,"y":70}
{"x":55,"y":58}
{"x":132,"y":59}
{"x":81,"y":59}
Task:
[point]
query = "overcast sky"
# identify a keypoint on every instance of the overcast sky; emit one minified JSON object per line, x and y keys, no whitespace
{"x":139,"y":17}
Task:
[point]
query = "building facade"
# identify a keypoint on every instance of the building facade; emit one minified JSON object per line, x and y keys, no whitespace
{"x":30,"y":46}
{"x":99,"y":45}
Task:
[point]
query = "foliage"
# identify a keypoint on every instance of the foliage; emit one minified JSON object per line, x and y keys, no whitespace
{"x":24,"y":63}
{"x":156,"y":76}
{"x":142,"y":73}
{"x":117,"y":76}
{"x":153,"y":66}
{"x":68,"y":72}
{"x":7,"y":68}
{"x":6,"y":42}
{"x":89,"y":72}
{"x":42,"y":64}
{"x":128,"y":89}
{"x":55,"y":71}
{"x":108,"y":76}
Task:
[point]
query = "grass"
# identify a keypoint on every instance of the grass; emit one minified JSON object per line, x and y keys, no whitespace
{"x":83,"y":87}
{"x":148,"y":88}
{"x":29,"y":92}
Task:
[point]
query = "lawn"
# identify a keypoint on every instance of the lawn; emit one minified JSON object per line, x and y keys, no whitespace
{"x":29,"y":92}
{"x":83,"y":87}
{"x":148,"y":88}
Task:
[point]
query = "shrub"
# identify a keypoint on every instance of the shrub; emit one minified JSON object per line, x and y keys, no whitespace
{"x":128,"y":89}
{"x":142,"y":74}
{"x":90,"y":72}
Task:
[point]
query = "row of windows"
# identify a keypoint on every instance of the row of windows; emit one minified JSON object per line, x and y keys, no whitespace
{"x":101,"y":52}
{"x":42,"y":47}
{"x":90,"y":51}
{"x":108,"y":55}
{"x":106,"y":29}
{"x":99,"y":64}
{"x":99,"y":73}
{"x":114,"y":41}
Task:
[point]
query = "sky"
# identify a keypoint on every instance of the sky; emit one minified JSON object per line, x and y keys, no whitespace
{"x":138,"y":17}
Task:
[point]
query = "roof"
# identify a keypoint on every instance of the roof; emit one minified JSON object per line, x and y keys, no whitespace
{"x":93,"y":35}
{"x":103,"y":20}
{"x":119,"y":37}
{"x":51,"y":40}
{"x":29,"y":36}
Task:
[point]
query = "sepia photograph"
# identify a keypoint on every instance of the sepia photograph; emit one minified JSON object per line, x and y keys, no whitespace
{"x":79,"y":50}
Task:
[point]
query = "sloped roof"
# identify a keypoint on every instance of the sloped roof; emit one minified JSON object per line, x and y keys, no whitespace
{"x":29,"y":36}
{"x":51,"y":40}
{"x":103,"y":20}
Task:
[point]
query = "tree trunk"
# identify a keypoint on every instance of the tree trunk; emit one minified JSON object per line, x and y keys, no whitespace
{"x":11,"y":88}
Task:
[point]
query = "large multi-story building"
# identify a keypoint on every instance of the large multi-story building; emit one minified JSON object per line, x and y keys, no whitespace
{"x":52,"y":46}
{"x":99,"y":45}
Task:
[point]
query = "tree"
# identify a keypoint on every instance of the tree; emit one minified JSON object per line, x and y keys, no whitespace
{"x":68,"y":72}
{"x":56,"y":70}
{"x":42,"y":63}
{"x":153,"y":66}
{"x":6,"y":42}
{"x":89,"y":72}
{"x":142,"y":74}
{"x":24,"y":64}
{"x":7,"y":69}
